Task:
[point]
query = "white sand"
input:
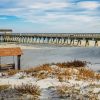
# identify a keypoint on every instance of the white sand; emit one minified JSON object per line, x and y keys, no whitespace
{"x":5,"y":45}
{"x":45,"y":84}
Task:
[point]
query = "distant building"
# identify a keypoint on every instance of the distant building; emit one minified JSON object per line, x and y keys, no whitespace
{"x":6,"y":31}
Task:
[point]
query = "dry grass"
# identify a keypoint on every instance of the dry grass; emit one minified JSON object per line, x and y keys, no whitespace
{"x":64,"y":71}
{"x":40,"y":72}
{"x":72,"y":93}
{"x":85,"y":74}
{"x":12,"y":72}
{"x":64,"y":75}
{"x":40,"y":75}
{"x":44,"y":67}
{"x":62,"y":90}
{"x":66,"y":91}
{"x":28,"y":71}
{"x":29,"y":89}
{"x":92,"y":85}
{"x":97,"y":76}
{"x":3,"y":87}
{"x":75,"y":63}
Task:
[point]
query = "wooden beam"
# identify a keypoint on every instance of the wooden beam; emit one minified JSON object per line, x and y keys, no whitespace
{"x":18,"y":61}
{"x":0,"y":62}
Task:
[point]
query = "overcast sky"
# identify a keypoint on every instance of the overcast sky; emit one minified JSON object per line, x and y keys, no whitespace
{"x":50,"y":15}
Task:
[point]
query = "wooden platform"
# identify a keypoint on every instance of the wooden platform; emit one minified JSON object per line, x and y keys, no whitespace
{"x":7,"y":66}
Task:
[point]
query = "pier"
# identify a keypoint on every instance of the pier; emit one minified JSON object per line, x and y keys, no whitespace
{"x":67,"y":39}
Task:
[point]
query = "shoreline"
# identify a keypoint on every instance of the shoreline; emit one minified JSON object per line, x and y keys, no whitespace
{"x":29,"y":46}
{"x":26,"y":46}
{"x":8,"y":45}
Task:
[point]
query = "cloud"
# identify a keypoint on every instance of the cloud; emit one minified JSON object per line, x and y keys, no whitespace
{"x":55,"y":14}
{"x":90,"y":5}
{"x":51,"y":5}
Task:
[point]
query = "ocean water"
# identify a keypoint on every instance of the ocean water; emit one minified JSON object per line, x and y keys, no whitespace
{"x":50,"y":54}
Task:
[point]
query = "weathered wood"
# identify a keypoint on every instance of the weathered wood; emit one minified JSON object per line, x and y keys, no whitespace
{"x":7,"y":66}
{"x":18,"y":61}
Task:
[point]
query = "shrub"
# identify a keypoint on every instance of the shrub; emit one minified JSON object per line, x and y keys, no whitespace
{"x":97,"y":76}
{"x":28,"y":89}
{"x":40,"y":75}
{"x":68,"y":92}
{"x":63,"y":90}
{"x":75,"y":63}
{"x":44,"y":67}
{"x":28,"y":71}
{"x":86,"y":73}
{"x":12,"y":72}
{"x":60,"y":78}
{"x":63,"y":76}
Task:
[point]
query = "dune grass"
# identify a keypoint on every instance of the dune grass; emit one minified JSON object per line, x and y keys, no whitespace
{"x":28,"y":89}
{"x":64,"y":71}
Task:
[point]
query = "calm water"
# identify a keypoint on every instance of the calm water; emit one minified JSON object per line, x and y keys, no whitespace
{"x":49,"y":54}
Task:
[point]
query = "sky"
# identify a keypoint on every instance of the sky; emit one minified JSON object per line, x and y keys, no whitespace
{"x":50,"y":16}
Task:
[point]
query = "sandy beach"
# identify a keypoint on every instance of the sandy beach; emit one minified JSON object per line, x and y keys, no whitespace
{"x":53,"y":82}
{"x":8,"y":45}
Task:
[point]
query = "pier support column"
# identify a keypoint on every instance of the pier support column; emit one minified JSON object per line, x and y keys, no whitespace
{"x":53,"y":40}
{"x":36,"y":39}
{"x":71,"y":42}
{"x":39,"y":39}
{"x":61,"y":41}
{"x":67,"y":41}
{"x":87,"y":43}
{"x":32,"y":39}
{"x":56,"y":40}
{"x":48,"y":39}
{"x":96,"y":43}
{"x":43,"y":38}
{"x":64,"y":41}
{"x":78,"y":42}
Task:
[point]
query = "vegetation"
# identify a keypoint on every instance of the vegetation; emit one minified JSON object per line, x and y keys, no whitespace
{"x":12,"y":72}
{"x":86,"y":74}
{"x":75,"y":63}
{"x":29,"y":89}
{"x":72,"y":93}
{"x":62,"y":90}
{"x":64,"y":71}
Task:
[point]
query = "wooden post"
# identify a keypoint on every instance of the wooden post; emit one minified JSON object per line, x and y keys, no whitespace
{"x":18,"y":61}
{"x":0,"y":62}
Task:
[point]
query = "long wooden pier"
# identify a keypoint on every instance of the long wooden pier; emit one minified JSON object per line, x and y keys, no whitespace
{"x":71,"y":39}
